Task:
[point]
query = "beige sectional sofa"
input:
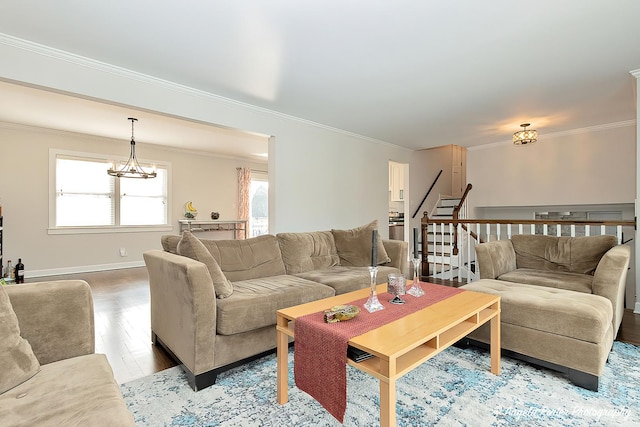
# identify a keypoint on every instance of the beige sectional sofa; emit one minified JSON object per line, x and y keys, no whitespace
{"x":49,"y":374}
{"x":216,"y":307}
{"x":562,"y":299}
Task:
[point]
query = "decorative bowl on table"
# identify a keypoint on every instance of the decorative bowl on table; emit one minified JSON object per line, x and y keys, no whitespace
{"x":340,"y":313}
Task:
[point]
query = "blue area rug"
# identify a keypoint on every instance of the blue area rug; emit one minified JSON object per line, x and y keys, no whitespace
{"x":455,"y":388}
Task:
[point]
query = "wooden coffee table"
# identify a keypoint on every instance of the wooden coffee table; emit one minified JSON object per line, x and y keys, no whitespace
{"x":399,"y":346}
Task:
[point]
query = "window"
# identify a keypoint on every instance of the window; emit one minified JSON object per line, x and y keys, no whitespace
{"x":259,"y":204}
{"x":85,"y":196}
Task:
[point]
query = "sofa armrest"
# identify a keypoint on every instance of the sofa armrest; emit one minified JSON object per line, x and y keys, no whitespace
{"x":610,"y":278}
{"x":56,"y":317}
{"x":398,"y":251}
{"x":183,"y":308}
{"x":495,"y":258}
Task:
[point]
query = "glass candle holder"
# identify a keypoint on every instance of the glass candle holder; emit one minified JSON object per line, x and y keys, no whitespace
{"x":373,"y":304}
{"x":416,"y":290}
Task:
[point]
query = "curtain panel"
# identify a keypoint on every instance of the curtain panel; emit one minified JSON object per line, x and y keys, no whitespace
{"x":244,"y":184}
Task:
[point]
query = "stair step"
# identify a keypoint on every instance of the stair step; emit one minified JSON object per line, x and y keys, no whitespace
{"x":446,"y":260}
{"x":438,"y":250}
{"x":440,"y":268}
{"x":437,"y":237}
{"x":452,"y":202}
{"x":444,"y":210}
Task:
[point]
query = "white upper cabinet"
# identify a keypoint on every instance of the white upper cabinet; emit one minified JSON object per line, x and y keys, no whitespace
{"x":396,"y":181}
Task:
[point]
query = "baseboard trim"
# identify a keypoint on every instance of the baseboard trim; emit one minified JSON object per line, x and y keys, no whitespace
{"x":30,"y":274}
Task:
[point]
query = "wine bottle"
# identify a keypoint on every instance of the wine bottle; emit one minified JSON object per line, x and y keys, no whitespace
{"x":19,"y":271}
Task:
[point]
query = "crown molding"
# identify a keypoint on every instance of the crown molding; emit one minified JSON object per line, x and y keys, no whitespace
{"x":62,"y":55}
{"x":545,"y":136}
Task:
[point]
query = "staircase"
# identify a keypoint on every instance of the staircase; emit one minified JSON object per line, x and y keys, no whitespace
{"x":445,"y":262}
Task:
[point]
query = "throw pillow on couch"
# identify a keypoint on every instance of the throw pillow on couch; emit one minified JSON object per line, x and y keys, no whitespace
{"x":355,"y":245}
{"x":191,"y":247}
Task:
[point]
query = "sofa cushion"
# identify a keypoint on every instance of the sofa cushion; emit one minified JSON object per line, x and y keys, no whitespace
{"x":17,"y":361}
{"x":307,"y":251}
{"x":191,"y":247}
{"x":551,"y":279}
{"x":577,"y":315}
{"x":346,"y":279}
{"x":170,"y":243}
{"x":354,"y":246}
{"x":247,"y":259}
{"x":79,"y":391}
{"x":254,"y":302}
{"x":570,"y":254}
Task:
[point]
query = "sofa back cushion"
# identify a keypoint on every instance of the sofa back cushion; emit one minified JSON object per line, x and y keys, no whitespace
{"x":570,"y":254}
{"x":247,"y":259}
{"x":302,"y":252}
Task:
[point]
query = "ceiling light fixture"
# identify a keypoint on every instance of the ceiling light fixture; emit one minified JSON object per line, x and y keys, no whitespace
{"x":132,"y":168}
{"x":525,"y":136}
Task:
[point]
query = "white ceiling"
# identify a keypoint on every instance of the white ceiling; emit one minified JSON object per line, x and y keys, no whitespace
{"x":37,"y":107}
{"x":415,"y":73}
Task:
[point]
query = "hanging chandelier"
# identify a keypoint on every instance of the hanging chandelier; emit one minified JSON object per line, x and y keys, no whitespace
{"x":525,"y":136}
{"x":132,"y":168}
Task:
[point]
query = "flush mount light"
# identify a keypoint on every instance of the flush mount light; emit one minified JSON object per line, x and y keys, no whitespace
{"x":525,"y":136}
{"x":132,"y":168}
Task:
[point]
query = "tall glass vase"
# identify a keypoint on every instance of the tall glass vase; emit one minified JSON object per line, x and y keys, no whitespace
{"x":372,"y":303}
{"x":416,"y":290}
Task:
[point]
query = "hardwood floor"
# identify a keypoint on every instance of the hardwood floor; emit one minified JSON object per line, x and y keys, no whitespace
{"x":122,"y":321}
{"x":123,"y":331}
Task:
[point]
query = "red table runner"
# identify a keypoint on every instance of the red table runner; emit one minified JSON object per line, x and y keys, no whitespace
{"x":320,"y":355}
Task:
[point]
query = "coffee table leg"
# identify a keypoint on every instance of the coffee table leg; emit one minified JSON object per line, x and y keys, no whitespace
{"x":387,"y":403}
{"x":282,"y":349}
{"x":495,"y":343}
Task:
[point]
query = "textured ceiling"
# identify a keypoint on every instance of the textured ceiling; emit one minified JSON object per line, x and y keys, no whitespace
{"x":417,"y":73}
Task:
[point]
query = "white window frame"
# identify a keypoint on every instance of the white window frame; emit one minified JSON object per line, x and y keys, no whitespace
{"x":53,"y":229}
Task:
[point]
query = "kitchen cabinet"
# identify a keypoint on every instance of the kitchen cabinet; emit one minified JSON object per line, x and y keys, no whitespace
{"x":396,"y":181}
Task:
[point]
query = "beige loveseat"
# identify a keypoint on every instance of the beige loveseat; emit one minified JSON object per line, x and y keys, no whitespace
{"x":562,"y":299}
{"x":252,"y":279}
{"x":47,"y":359}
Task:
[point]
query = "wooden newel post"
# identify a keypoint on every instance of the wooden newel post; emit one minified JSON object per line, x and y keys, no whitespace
{"x":424,"y":254}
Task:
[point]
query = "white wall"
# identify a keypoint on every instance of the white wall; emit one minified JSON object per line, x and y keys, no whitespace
{"x":424,"y":167}
{"x":636,"y":75}
{"x":319,"y":177}
{"x":209,"y":182}
{"x":589,"y":167}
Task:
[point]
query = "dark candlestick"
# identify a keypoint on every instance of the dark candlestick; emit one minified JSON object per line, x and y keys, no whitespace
{"x":374,"y":248}
{"x":415,"y":242}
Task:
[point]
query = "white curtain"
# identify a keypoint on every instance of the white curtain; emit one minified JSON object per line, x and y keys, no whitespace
{"x":244,"y":184}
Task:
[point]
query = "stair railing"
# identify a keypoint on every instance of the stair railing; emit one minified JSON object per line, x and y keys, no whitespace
{"x":427,"y":195}
{"x":485,"y":230}
{"x":461,"y":208}
{"x":459,"y":212}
